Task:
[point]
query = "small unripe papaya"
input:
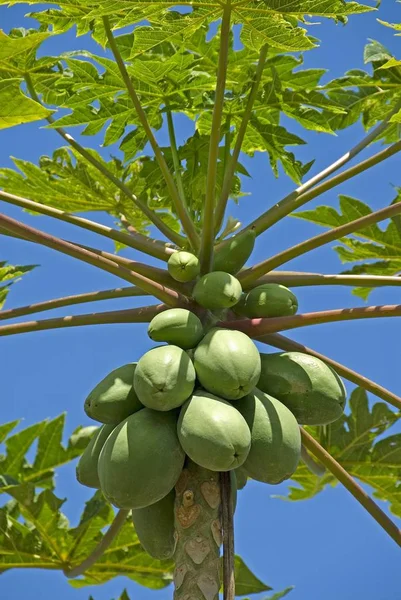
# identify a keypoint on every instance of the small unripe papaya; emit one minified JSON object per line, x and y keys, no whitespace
{"x":164,"y":378}
{"x":183,"y":266}
{"x":213,"y":433}
{"x":154,"y":526}
{"x":234,"y":252}
{"x":176,"y":326}
{"x":217,"y":290}
{"x":227,"y":363}
{"x":275,"y":438}
{"x":114,"y":398}
{"x":269,"y":300}
{"x":141,"y":460}
{"x":312,"y":390}
{"x":86,"y":470}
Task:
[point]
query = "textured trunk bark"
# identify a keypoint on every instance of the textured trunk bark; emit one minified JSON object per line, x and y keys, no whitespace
{"x":198,"y":533}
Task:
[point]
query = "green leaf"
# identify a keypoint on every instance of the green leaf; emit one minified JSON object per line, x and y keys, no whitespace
{"x":245,"y":581}
{"x":16,"y":108}
{"x":9,"y":274}
{"x":356,"y":441}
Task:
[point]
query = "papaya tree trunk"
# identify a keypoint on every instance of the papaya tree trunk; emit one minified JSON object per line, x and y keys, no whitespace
{"x":198,"y":534}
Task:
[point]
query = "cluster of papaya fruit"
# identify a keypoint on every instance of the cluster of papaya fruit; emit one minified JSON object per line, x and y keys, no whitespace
{"x":206,"y":394}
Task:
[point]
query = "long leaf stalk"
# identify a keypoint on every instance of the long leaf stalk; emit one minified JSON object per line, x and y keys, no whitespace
{"x":208,"y":233}
{"x":248,"y":276}
{"x":230,"y":170}
{"x":143,"y":314}
{"x":151,"y":215}
{"x":299,"y":279}
{"x":146,"y":245}
{"x":227,"y":513}
{"x":288,"y":345}
{"x":257,"y":328}
{"x":101,"y":548}
{"x":180,"y":208}
{"x":176,"y":158}
{"x":34,"y":235}
{"x":286,"y":206}
{"x":116,"y":293}
{"x":352,"y":486}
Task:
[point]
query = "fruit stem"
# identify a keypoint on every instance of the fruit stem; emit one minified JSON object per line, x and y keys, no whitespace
{"x":39,"y":237}
{"x":142,"y":243}
{"x":207,"y":242}
{"x":100,"y":549}
{"x":248,"y":276}
{"x":152,"y":216}
{"x":180,"y":208}
{"x":143,"y":314}
{"x":352,"y":486}
{"x":227,"y":511}
{"x":21,"y":311}
{"x":198,"y":534}
{"x":284,"y":343}
{"x":304,"y":193}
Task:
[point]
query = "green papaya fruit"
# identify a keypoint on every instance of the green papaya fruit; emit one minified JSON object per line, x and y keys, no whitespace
{"x":176,"y":326}
{"x":242,"y":478}
{"x":86,"y":470}
{"x":114,"y":398}
{"x":217,"y":290}
{"x":154,"y":526}
{"x":183,"y":266}
{"x":213,"y":433}
{"x":269,"y":300}
{"x":227,"y":363}
{"x":141,"y":460}
{"x":312,"y":390}
{"x":234,"y":252}
{"x":164,"y":378}
{"x":275,"y":438}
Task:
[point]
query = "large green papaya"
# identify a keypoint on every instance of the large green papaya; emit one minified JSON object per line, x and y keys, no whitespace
{"x":183,"y":266}
{"x":275,"y":438}
{"x":176,"y":326}
{"x":114,"y":398}
{"x":141,"y":460}
{"x":86,"y":470}
{"x":213,"y":433}
{"x":234,"y":252}
{"x":227,"y":363}
{"x":164,"y":378}
{"x":312,"y":390}
{"x":217,"y":290}
{"x":154,"y":526}
{"x":268,"y":300}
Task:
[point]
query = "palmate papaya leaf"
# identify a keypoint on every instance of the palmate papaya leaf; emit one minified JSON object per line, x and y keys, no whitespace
{"x":9,"y":274}
{"x":16,"y":469}
{"x":356,"y":441}
{"x":376,"y":248}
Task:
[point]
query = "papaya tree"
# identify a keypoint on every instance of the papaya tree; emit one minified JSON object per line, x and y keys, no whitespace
{"x":224,"y":395}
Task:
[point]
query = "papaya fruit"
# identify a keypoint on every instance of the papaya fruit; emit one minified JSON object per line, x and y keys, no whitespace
{"x":86,"y":470}
{"x":114,"y":398}
{"x":242,"y":478}
{"x":164,"y":378}
{"x":154,"y":526}
{"x":213,"y":433}
{"x":227,"y":363}
{"x":183,"y":266}
{"x":269,"y":300}
{"x":312,"y":390}
{"x":275,"y":438}
{"x":233,"y":253}
{"x":141,"y":460}
{"x":176,"y":326}
{"x":217,"y":290}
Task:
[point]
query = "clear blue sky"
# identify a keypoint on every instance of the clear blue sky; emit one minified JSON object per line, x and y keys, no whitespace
{"x":327,"y":547}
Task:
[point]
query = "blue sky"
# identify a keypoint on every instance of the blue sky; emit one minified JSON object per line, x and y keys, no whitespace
{"x":327,"y":547}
